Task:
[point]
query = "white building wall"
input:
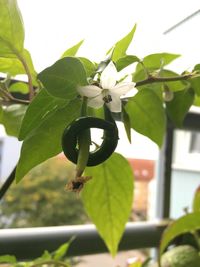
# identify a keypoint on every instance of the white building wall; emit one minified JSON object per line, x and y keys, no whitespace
{"x":183,"y":187}
{"x":10,"y":155}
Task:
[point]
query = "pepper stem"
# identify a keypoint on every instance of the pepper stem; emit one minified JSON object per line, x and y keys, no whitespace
{"x":84,"y":141}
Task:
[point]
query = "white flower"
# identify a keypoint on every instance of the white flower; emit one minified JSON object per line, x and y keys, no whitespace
{"x":108,"y":92}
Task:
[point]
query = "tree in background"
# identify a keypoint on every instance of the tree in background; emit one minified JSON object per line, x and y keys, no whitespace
{"x":41,"y":199}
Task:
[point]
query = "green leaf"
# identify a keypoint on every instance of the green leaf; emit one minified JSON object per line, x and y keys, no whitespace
{"x":127,"y":123}
{"x":73,"y":50}
{"x":12,"y":117}
{"x":151,"y":63}
{"x":40,"y":109}
{"x":11,"y":29}
{"x":157,"y":88}
{"x":176,"y":85}
{"x":147,"y":115}
{"x":1,"y":113}
{"x":89,"y":66}
{"x":179,"y":106}
{"x":195,"y":82}
{"x":108,"y":198}
{"x":63,"y":77}
{"x":14,"y":66}
{"x":45,"y":256}
{"x":27,"y":58}
{"x":125,"y":61}
{"x":139,"y":75}
{"x":62,"y":250}
{"x":122,"y":45}
{"x":45,"y":141}
{"x":12,"y":40}
{"x":197,"y":101}
{"x":196,"y":200}
{"x":156,"y":61}
{"x":19,"y":87}
{"x":7,"y":259}
{"x":185,"y":224}
{"x":197,"y":67}
{"x":137,"y":263}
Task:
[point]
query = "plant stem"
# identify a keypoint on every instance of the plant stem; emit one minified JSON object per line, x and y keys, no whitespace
{"x":30,"y":82}
{"x":152,"y":79}
{"x":26,"y":68}
{"x":9,"y":99}
{"x":14,"y":101}
{"x":84,"y":107}
{"x":84,"y":143}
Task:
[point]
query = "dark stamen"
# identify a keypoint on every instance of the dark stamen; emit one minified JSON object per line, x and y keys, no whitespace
{"x":107,"y":99}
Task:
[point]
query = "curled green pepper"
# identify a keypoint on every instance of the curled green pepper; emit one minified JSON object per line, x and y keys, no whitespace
{"x":104,"y":151}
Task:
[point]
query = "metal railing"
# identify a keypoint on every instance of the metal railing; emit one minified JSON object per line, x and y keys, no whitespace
{"x":29,"y":243}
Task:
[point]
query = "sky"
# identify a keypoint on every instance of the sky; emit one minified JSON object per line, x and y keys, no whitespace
{"x":53,"y":26}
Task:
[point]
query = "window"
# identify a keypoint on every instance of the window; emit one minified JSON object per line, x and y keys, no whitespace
{"x":194,"y":143}
{"x":186,"y":153}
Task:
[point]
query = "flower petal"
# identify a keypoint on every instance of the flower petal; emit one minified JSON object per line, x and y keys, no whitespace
{"x":128,"y":78}
{"x":109,"y":76}
{"x":122,"y":88}
{"x":115,"y":105}
{"x":89,"y":90}
{"x":96,"y":102}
